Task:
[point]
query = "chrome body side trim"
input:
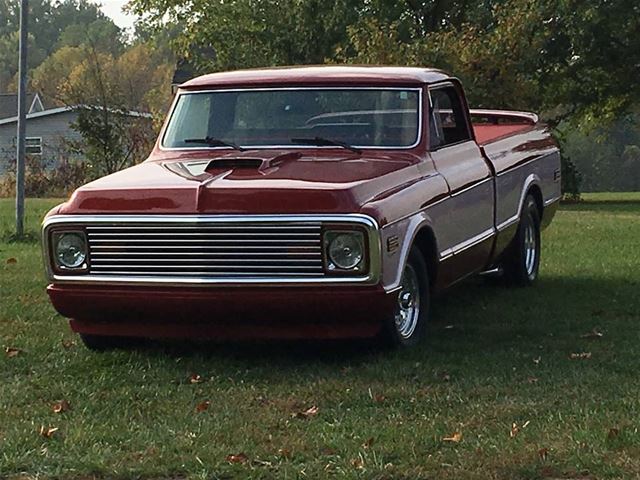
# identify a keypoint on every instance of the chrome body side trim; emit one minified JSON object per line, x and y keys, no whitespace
{"x":508,"y":222}
{"x":471,"y":187}
{"x":366,"y":222}
{"x":552,"y":200}
{"x":467,"y":244}
{"x":292,"y":146}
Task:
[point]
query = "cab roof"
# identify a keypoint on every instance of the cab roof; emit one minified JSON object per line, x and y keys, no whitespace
{"x":319,"y":76}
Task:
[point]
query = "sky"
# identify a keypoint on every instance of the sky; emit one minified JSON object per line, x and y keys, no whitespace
{"x":113,"y":9}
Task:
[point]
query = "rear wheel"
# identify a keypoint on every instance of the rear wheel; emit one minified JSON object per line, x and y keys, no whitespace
{"x":522,"y":260}
{"x":408,"y":323}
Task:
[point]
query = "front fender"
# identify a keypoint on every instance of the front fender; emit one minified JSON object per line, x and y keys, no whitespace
{"x":405,"y":231}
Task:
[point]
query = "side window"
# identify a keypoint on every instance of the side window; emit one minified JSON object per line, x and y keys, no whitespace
{"x":447,"y":122}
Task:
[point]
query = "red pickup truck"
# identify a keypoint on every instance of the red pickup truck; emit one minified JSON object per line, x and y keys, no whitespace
{"x":316,"y":202}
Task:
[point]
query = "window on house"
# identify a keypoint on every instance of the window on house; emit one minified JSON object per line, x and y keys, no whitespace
{"x":33,"y":145}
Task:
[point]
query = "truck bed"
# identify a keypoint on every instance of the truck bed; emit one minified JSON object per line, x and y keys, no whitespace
{"x":492,"y":125}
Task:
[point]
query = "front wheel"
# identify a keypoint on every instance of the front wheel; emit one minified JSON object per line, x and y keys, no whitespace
{"x":522,"y":260}
{"x":409,"y":320}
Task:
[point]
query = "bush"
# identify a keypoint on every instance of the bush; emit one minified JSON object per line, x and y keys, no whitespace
{"x":40,"y":182}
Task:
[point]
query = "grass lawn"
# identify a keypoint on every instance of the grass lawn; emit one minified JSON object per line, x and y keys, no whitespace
{"x":495,"y":374}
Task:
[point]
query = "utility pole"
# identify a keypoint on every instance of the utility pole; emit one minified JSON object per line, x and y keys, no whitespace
{"x":22,"y":117}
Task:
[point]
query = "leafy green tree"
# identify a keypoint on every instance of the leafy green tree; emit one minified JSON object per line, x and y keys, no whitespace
{"x":112,"y":138}
{"x":102,"y":34}
{"x":52,"y":24}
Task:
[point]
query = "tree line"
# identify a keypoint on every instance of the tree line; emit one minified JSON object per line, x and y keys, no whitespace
{"x":575,"y":62}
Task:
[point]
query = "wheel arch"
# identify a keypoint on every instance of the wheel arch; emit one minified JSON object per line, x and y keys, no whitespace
{"x":532,"y":187}
{"x":425,"y":241}
{"x":536,"y":193}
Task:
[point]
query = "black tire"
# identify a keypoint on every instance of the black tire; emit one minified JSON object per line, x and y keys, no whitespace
{"x":102,"y":343}
{"x":522,"y":260}
{"x":401,"y":332}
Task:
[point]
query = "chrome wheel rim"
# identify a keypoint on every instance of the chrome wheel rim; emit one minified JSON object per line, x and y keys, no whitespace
{"x":530,"y":249}
{"x":408,"y":310}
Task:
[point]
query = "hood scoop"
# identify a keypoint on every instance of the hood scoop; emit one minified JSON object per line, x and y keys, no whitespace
{"x":233,"y":164}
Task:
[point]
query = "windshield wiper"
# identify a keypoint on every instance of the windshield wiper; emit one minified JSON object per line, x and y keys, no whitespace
{"x":323,"y":141}
{"x":215,"y":142}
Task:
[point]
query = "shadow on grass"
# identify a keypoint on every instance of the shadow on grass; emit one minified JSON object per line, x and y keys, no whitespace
{"x":28,"y":237}
{"x":275,"y":352}
{"x":475,"y":323}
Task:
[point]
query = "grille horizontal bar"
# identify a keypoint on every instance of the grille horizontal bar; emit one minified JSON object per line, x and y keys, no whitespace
{"x":221,"y":250}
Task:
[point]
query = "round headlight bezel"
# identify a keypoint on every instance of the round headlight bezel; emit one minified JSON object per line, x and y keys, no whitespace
{"x":333,"y":263}
{"x":60,"y":238}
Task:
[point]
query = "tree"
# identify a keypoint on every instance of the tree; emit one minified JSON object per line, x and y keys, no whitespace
{"x":112,"y":95}
{"x":102,"y":34}
{"x":52,"y":24}
{"x":51,"y":76}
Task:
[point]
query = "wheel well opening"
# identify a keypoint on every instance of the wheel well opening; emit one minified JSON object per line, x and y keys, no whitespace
{"x":537,"y":196}
{"x":425,"y":241}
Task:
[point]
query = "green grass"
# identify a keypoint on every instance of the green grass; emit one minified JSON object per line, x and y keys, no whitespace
{"x":494,"y":357}
{"x":611,"y":197}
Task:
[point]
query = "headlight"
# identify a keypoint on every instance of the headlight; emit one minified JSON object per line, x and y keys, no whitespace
{"x":344,"y":250}
{"x":69,"y":250}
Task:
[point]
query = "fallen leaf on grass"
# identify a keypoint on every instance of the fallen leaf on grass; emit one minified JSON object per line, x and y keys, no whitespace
{"x":12,"y":351}
{"x":60,"y":407}
{"x":377,"y":398}
{"x":368,"y":444}
{"x":455,"y":438}
{"x":308,"y":413}
{"x":543,"y":453}
{"x":592,"y":335}
{"x":580,"y":356}
{"x":195,"y":378}
{"x":284,"y":452}
{"x":203,"y":406}
{"x":67,"y":344}
{"x":515,"y":429}
{"x":328,"y":451}
{"x":357,"y":463}
{"x":11,"y":261}
{"x":532,"y":380}
{"x":48,"y":432}
{"x":237,"y":458}
{"x":613,"y":433}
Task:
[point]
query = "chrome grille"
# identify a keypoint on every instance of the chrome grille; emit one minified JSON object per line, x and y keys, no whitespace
{"x":207,"y":250}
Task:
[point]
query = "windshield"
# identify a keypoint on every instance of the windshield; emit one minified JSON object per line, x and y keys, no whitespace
{"x":359,"y":117}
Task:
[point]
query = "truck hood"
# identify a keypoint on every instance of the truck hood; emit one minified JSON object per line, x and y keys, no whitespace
{"x":257,"y":182}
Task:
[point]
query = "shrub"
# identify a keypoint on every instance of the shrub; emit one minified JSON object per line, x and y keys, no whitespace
{"x":40,"y":182}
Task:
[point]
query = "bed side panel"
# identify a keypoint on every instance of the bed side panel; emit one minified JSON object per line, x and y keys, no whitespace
{"x":521,"y":161}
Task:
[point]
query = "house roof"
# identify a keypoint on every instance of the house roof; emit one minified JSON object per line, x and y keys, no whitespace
{"x":320,"y":75}
{"x":9,"y":104}
{"x":56,"y":111}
